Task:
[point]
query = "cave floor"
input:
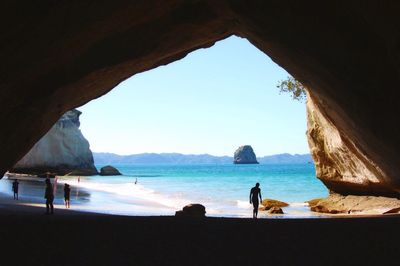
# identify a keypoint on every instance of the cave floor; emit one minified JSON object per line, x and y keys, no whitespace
{"x":68,"y":238}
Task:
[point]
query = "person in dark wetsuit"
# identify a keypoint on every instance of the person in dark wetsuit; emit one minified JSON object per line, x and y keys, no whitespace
{"x":67,"y":192}
{"x":15,"y":185}
{"x":255,"y":193}
{"x":49,"y":196}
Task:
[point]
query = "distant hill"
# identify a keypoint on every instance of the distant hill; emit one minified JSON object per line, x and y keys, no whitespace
{"x":101,"y":158}
{"x":286,"y":158}
{"x":159,"y":158}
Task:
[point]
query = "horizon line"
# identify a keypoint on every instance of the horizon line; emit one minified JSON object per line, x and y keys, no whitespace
{"x":198,"y":154}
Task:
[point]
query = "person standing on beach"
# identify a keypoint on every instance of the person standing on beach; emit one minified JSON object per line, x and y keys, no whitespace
{"x":49,"y":196}
{"x":15,"y":185}
{"x":255,"y":193}
{"x":67,"y":192}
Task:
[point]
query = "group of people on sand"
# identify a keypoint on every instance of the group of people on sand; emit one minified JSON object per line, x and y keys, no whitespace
{"x":48,"y":194}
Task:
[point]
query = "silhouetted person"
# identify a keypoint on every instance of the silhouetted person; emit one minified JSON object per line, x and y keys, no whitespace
{"x":15,"y":185}
{"x":255,"y":193}
{"x":67,"y":192}
{"x":136,"y":181}
{"x":49,"y":196}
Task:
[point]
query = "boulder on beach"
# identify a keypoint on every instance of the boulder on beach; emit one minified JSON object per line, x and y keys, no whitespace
{"x":275,"y":210}
{"x":270,"y":203}
{"x":109,"y":170}
{"x":353,"y":204}
{"x":63,"y":150}
{"x":245,"y":155}
{"x":313,"y":202}
{"x":192,"y":210}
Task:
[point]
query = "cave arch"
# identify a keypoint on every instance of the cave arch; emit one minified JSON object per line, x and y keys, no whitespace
{"x":57,"y":56}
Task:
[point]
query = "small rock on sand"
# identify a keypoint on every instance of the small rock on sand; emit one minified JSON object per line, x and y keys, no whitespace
{"x":275,"y":210}
{"x":192,"y":210}
{"x":269,"y":203}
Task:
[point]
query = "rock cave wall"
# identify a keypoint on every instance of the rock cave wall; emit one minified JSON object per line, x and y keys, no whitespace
{"x":339,"y":164}
{"x":59,"y":55}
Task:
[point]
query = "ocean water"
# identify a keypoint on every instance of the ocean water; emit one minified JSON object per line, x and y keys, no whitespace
{"x":223,"y":189}
{"x":163,"y":189}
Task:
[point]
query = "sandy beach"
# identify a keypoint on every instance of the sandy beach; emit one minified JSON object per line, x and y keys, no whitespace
{"x":83,"y":197}
{"x":73,"y":237}
{"x":76,"y":238}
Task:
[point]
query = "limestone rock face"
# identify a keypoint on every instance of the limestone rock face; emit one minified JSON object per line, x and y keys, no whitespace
{"x":245,"y":155}
{"x":192,"y":210}
{"x":351,"y":204}
{"x":61,"y":151}
{"x":339,"y":164}
{"x":109,"y":170}
{"x":269,"y":203}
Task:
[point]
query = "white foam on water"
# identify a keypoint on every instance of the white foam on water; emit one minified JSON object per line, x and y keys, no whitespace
{"x":138,"y":199}
{"x":243,"y":204}
{"x":130,"y":191}
{"x":298,"y":204}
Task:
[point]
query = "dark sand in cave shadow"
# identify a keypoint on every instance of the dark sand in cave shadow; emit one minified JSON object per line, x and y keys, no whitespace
{"x":78,"y":238}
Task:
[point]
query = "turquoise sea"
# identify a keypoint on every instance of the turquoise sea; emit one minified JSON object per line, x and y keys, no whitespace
{"x":163,"y":189}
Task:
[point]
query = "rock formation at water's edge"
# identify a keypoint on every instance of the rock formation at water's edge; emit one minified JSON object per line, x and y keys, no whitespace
{"x":351,"y":176}
{"x":339,"y":164}
{"x":351,"y":204}
{"x":109,"y":170}
{"x":61,"y":151}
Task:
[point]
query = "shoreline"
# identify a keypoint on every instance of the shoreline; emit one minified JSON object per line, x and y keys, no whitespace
{"x":89,"y":196}
{"x":223,"y":190}
{"x":36,"y":206}
{"x":132,"y":202}
{"x":24,"y":208}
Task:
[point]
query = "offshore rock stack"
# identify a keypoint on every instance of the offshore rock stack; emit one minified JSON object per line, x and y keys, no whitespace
{"x":245,"y":155}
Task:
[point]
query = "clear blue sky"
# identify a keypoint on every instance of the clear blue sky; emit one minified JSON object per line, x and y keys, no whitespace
{"x":211,"y":101}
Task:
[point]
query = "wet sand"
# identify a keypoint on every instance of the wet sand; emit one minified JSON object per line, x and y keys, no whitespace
{"x":86,"y":196}
{"x":79,"y":238}
{"x":82,"y":199}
